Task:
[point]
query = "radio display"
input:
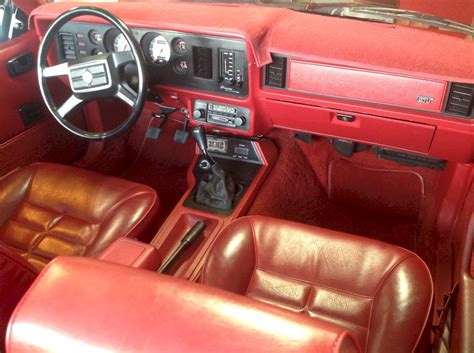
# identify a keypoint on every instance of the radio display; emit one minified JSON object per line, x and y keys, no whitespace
{"x":216,"y":145}
{"x":222,"y":109}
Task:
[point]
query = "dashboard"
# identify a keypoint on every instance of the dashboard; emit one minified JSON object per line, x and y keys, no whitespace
{"x":243,"y":71}
{"x":174,"y":58}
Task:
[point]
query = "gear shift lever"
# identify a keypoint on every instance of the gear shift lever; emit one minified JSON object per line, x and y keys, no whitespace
{"x":201,"y":140}
{"x":215,"y":189}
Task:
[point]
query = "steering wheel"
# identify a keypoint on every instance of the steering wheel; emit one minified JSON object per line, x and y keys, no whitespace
{"x":93,"y":77}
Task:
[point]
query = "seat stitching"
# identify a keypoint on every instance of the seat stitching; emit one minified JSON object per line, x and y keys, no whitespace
{"x":50,"y":232}
{"x":320,"y":315}
{"x":316,"y":284}
{"x":27,"y":225}
{"x":254,"y":240}
{"x":394,"y":267}
{"x":60,"y":213}
{"x":122,"y":201}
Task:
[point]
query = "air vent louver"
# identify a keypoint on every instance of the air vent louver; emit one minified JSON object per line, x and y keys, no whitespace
{"x":67,"y":45}
{"x":460,"y":99}
{"x":275,"y":72}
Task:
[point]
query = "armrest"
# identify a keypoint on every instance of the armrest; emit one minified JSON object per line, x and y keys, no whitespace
{"x":125,"y":251}
{"x":85,"y":305}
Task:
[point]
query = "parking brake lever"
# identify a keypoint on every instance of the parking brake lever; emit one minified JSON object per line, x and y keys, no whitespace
{"x":188,"y":239}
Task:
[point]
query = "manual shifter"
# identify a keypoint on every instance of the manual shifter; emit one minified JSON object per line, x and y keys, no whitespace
{"x":215,"y":189}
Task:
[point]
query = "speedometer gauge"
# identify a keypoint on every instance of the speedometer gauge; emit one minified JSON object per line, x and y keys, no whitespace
{"x":121,"y":44}
{"x":159,"y":50}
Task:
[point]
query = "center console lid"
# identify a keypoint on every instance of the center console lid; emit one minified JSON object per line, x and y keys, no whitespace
{"x":85,"y":305}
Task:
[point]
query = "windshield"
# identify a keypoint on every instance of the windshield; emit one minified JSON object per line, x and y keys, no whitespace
{"x":455,"y":10}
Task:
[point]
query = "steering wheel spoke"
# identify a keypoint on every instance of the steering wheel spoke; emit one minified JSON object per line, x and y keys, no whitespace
{"x":68,"y":106}
{"x":56,"y":70}
{"x":126,"y":94}
{"x":122,"y":58}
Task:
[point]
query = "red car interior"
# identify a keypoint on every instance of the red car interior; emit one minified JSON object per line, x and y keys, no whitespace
{"x":312,"y":174}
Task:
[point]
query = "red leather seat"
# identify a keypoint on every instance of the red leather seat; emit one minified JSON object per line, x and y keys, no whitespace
{"x":156,"y":314}
{"x":380,"y":292}
{"x":48,"y":210}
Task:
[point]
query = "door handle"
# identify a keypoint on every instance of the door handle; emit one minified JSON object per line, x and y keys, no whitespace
{"x":20,"y":64}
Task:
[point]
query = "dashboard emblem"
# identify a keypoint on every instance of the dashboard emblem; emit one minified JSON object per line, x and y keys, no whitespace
{"x":87,"y":77}
{"x":424,"y":99}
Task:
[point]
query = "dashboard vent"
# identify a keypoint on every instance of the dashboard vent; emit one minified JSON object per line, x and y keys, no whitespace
{"x":275,"y":72}
{"x":460,"y":99}
{"x":67,"y":45}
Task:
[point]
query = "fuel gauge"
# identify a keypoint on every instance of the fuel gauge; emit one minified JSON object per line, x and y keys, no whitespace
{"x":180,"y":46}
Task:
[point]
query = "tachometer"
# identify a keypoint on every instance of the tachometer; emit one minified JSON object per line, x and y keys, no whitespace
{"x":159,"y":50}
{"x":121,"y":44}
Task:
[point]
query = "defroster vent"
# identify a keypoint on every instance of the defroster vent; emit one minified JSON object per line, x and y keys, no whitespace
{"x":68,"y":46}
{"x":460,"y":99}
{"x":275,"y":72}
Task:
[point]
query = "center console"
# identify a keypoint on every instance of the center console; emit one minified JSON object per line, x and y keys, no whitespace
{"x":247,"y":161}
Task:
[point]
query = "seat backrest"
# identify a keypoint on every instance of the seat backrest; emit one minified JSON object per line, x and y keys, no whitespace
{"x":87,"y":305}
{"x":49,"y":209}
{"x":381,"y":293}
{"x":16,"y":276}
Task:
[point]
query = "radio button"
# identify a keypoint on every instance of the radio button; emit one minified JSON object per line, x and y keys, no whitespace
{"x":199,"y":114}
{"x":240,"y":121}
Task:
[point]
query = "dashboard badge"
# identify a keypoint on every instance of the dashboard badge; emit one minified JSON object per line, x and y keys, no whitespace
{"x":424,"y":99}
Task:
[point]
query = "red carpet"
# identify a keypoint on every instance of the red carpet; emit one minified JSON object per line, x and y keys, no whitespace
{"x":313,"y":184}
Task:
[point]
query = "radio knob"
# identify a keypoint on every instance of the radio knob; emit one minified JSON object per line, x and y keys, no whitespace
{"x":199,"y":114}
{"x":240,"y":121}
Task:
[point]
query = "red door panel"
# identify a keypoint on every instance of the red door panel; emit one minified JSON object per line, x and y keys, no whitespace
{"x":44,"y":140}
{"x":19,"y":90}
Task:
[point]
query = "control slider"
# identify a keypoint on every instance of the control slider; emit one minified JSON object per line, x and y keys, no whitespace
{"x":189,"y":238}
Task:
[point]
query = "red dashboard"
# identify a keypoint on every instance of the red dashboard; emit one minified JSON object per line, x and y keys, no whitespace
{"x":373,"y":83}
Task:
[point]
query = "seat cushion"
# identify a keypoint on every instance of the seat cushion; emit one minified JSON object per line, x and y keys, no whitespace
{"x":48,"y":210}
{"x":380,"y":292}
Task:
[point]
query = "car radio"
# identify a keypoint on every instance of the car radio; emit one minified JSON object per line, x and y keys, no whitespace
{"x":221,"y":114}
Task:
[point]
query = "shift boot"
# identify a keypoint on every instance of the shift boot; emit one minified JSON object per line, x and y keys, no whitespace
{"x":216,"y":189}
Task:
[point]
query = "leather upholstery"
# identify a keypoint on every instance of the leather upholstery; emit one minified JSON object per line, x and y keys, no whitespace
{"x":16,"y":276}
{"x":49,"y":209}
{"x":157,"y":313}
{"x":381,"y":293}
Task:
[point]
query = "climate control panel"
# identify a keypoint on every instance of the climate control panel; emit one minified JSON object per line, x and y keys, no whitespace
{"x":221,"y":114}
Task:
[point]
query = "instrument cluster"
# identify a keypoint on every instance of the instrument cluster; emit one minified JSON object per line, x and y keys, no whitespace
{"x":206,"y":63}
{"x":157,"y":48}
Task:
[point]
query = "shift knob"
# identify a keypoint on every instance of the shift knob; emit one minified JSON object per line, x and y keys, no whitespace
{"x":199,"y":136}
